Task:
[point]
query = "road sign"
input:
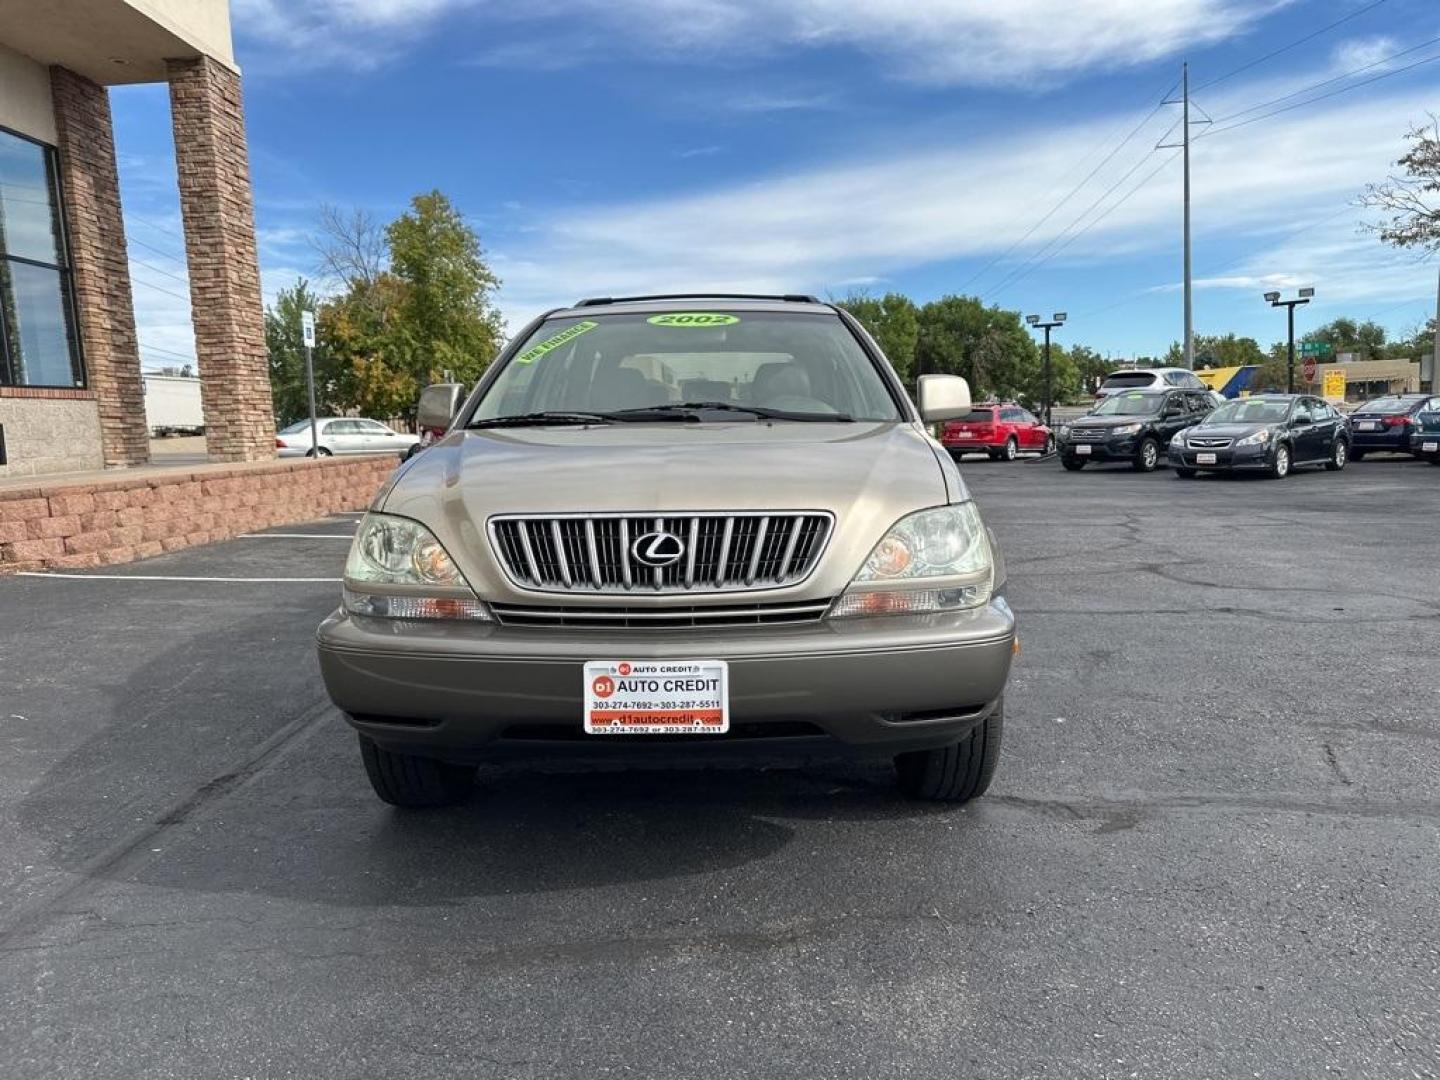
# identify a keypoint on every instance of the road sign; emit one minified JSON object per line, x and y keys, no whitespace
{"x":1316,"y":348}
{"x":1334,"y":388}
{"x":307,"y":329}
{"x":1307,"y":368}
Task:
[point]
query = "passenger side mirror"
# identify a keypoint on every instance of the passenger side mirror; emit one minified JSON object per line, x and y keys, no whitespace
{"x":943,"y":397}
{"x":438,"y":405}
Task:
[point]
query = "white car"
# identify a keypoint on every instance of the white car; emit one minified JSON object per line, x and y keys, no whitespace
{"x":1149,"y":379}
{"x":342,"y":435}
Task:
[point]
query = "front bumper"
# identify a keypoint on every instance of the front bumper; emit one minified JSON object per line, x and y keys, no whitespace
{"x":456,"y":691}
{"x":1121,"y":449}
{"x":1230,"y":457}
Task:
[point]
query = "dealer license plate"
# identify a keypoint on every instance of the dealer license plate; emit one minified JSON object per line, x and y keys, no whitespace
{"x":1204,"y":459}
{"x":1368,"y":425}
{"x":1082,"y":449}
{"x":1429,"y":447}
{"x":669,"y":697}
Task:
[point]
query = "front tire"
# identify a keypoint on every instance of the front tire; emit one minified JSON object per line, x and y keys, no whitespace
{"x":1011,"y":450}
{"x":413,"y":782}
{"x":1147,"y":458}
{"x":1072,"y":464}
{"x":1280,"y":463}
{"x":1049,"y":445}
{"x":1338,"y":457}
{"x":956,"y":773}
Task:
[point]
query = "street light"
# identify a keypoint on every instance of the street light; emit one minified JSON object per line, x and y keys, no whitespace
{"x":1056,"y":319}
{"x":1303,"y":296}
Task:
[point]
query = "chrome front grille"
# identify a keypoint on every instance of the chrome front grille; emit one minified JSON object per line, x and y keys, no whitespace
{"x":595,"y":553}
{"x":1088,"y":433}
{"x":670,"y":617}
{"x":1207,"y":444}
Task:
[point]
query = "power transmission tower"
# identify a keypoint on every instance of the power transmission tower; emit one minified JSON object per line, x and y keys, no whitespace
{"x":1185,"y":124}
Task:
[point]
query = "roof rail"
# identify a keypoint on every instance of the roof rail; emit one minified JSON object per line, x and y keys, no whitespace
{"x":792,"y":298}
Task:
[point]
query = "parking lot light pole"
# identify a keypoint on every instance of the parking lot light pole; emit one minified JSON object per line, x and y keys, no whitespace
{"x":1057,"y":319}
{"x":1303,"y":297}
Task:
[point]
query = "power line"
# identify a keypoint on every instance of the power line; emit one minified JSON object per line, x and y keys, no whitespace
{"x":1286,"y":48}
{"x":1073,"y":191}
{"x":1106,"y":213}
{"x":159,"y":270}
{"x":158,"y":251}
{"x":1320,"y":97}
{"x":1044,"y":254}
{"x":157,"y":288}
{"x":169,"y":352}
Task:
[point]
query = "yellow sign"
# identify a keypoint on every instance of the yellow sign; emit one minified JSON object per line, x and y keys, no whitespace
{"x":1335,"y":385}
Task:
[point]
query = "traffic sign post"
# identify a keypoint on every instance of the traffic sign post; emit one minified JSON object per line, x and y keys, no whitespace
{"x":307,"y":338}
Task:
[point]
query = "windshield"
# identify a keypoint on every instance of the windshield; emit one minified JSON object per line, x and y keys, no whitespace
{"x":1129,"y":405}
{"x":1390,"y":405}
{"x":1249,"y":411}
{"x":979,"y":416}
{"x":1121,"y":380}
{"x":804,"y":364}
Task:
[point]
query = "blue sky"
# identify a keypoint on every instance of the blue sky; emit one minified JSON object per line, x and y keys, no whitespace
{"x":612,"y":146}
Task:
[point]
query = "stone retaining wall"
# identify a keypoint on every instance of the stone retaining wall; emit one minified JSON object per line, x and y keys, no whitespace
{"x":109,"y":518}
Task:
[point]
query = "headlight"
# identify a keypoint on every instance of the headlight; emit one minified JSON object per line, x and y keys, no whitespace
{"x":1259,"y":438}
{"x":1125,"y":429}
{"x":416,"y":577}
{"x":1178,"y":439}
{"x":932,"y":560}
{"x":1063,"y":431}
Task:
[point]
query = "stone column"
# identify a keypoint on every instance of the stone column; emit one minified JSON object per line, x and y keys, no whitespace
{"x":90,"y":186}
{"x":219,"y":216}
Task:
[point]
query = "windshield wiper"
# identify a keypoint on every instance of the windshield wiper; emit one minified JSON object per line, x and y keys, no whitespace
{"x":691,"y":410}
{"x":537,"y":419}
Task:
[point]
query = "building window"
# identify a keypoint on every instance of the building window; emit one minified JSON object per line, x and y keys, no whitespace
{"x":38,"y":342}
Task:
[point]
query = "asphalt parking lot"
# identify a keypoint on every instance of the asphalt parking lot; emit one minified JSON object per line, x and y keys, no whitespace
{"x":1212,"y":848}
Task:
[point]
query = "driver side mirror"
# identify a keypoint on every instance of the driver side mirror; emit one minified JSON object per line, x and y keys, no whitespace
{"x":942,"y":397}
{"x":438,"y":405}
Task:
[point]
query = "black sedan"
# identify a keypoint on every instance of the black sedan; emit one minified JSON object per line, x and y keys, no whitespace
{"x":1274,"y":433}
{"x":1387,"y":423}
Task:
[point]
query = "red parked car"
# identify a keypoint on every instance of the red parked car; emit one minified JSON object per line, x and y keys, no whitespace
{"x":1002,"y":431}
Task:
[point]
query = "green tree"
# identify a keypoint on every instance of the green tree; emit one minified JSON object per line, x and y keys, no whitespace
{"x":991,"y":347}
{"x":415,"y":306}
{"x":894,"y":322}
{"x":287,"y":356}
{"x":1366,"y":340}
{"x":446,"y":320}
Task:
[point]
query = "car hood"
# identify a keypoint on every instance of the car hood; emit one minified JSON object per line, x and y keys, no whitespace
{"x":867,"y":474}
{"x":1227,"y":431}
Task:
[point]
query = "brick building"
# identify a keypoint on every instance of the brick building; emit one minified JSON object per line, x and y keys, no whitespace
{"x":71,"y":396}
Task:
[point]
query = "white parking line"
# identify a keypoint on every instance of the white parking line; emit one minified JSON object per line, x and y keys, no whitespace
{"x":167,"y":577}
{"x":296,"y":536}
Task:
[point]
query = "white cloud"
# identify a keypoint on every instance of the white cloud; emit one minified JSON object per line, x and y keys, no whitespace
{"x":814,"y":229}
{"x":1019,"y":42}
{"x":1365,"y":53}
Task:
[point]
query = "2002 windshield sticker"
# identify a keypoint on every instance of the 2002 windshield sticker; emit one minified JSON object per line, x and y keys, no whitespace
{"x":693,"y":318}
{"x":550,"y":344}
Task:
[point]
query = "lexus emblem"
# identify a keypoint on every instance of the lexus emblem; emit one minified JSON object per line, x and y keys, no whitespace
{"x":658,"y":549}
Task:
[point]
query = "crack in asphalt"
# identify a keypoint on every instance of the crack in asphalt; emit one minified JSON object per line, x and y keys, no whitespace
{"x":134,"y":851}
